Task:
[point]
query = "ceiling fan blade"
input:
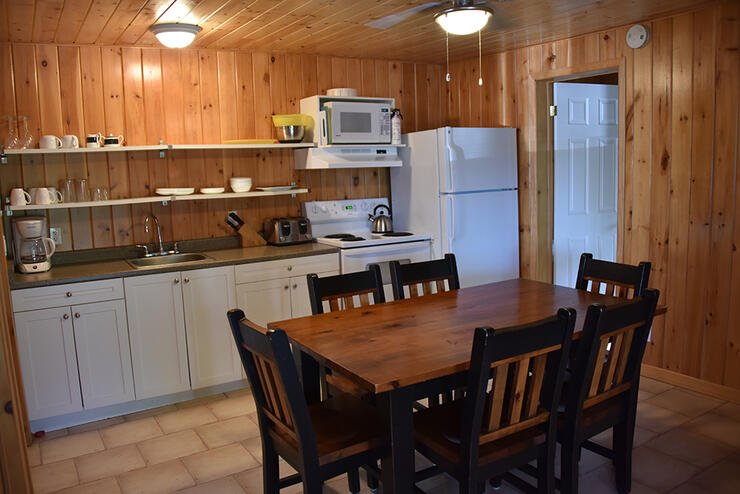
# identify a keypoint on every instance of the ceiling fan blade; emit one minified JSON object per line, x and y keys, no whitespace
{"x":391,"y":20}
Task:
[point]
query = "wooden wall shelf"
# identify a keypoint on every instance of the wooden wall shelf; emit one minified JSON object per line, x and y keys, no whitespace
{"x":162,"y":199}
{"x":157,"y":147}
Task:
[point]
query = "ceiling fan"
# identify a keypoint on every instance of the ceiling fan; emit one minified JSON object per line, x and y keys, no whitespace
{"x":475,"y":13}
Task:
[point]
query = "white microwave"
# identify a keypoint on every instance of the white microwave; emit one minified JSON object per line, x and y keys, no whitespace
{"x":354,"y":122}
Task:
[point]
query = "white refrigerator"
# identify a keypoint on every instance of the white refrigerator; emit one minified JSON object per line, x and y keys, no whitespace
{"x":460,"y":185}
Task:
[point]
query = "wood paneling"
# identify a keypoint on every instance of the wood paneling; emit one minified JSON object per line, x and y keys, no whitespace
{"x":329,"y":27}
{"x":679,"y":196}
{"x":190,"y":97}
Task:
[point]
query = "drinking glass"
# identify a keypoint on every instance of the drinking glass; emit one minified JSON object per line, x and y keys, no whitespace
{"x":25,"y":141}
{"x":68,"y":190}
{"x":11,"y":138}
{"x":83,"y":193}
{"x":100,"y":194}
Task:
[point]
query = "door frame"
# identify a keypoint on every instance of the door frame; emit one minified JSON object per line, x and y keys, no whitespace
{"x":14,"y":430}
{"x":545,"y":157}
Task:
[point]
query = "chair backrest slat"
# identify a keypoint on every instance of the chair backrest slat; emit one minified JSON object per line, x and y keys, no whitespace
{"x":527,"y":364}
{"x":431,"y":275}
{"x":619,"y":280}
{"x":340,"y":291}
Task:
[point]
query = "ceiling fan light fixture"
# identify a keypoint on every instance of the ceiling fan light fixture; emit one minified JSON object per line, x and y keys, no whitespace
{"x":463,"y":19}
{"x":175,"y":34}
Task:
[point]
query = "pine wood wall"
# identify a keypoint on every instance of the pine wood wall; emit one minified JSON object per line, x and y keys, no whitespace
{"x":191,"y":97}
{"x":681,"y":206}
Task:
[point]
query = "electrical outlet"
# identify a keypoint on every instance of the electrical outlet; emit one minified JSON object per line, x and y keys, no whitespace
{"x":56,"y":235}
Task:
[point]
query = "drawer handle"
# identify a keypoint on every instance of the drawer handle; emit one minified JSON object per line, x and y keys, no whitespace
{"x":290,"y":268}
{"x":176,"y":281}
{"x":65,"y":316}
{"x":186,"y":280}
{"x":69,"y":294}
{"x":77,"y":315}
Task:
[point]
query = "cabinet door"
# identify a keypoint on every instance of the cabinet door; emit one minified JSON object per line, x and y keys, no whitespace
{"x":103,"y":353}
{"x":300,"y":302}
{"x":156,"y":324}
{"x":265,"y":301}
{"x":46,"y":349}
{"x":207,"y":295}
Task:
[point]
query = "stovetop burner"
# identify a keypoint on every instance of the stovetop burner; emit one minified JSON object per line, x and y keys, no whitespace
{"x":340,"y":236}
{"x":352,"y":239}
{"x":397,"y":234}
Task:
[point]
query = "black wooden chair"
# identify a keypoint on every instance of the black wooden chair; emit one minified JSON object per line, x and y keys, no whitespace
{"x":428,"y":274}
{"x":320,"y":440}
{"x":490,"y":432}
{"x":345,"y":291}
{"x":602,"y":392}
{"x":621,"y":280}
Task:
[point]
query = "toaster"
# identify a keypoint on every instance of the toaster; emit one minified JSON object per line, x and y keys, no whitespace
{"x":286,"y":231}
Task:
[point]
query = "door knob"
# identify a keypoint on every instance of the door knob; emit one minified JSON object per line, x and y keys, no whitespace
{"x":186,"y":280}
{"x":295,"y":285}
{"x":290,"y":268}
{"x":77,"y":315}
{"x":65,"y":316}
{"x":69,"y":294}
{"x":176,"y":281}
{"x":286,"y":287}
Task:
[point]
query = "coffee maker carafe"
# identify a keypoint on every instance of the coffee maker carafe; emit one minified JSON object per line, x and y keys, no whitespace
{"x":32,"y":250}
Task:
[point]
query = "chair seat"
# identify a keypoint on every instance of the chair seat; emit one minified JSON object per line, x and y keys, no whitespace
{"x":344,"y":426}
{"x":438,"y":428}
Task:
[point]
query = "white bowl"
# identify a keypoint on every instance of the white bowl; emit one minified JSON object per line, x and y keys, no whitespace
{"x":240,"y":184}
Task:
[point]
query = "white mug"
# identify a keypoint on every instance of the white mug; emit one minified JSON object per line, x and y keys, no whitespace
{"x":41,"y":196}
{"x":94,"y":140}
{"x":70,"y":141}
{"x":111,"y":141}
{"x":55,"y":195}
{"x":19,"y":197}
{"x":50,"y":142}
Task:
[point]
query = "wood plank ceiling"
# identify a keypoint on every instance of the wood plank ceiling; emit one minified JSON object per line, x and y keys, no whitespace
{"x":329,"y":27}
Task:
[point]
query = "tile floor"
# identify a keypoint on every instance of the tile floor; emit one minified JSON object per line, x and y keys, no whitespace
{"x":685,"y":443}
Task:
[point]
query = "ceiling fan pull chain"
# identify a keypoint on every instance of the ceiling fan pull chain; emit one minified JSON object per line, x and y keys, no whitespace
{"x":447,"y":55}
{"x":480,"y":63}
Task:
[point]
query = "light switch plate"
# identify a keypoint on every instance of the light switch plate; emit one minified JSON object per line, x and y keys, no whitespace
{"x":56,"y":235}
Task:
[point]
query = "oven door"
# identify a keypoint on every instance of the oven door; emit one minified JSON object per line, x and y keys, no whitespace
{"x":353,"y":260}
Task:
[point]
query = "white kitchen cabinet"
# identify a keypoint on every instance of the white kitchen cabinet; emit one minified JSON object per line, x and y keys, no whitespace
{"x":48,"y":361}
{"x":265,"y":301}
{"x":276,"y":290}
{"x":156,"y":323}
{"x":103,"y":354}
{"x":207,"y":295}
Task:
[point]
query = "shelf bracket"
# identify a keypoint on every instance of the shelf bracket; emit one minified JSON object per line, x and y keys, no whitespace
{"x":8,"y":211}
{"x":164,"y":203}
{"x":4,"y":159}
{"x":161,"y":152}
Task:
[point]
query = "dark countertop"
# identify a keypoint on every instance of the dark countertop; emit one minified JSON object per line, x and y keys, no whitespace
{"x":88,"y":271}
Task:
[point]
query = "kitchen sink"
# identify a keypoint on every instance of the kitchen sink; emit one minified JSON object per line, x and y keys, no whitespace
{"x":166,"y":260}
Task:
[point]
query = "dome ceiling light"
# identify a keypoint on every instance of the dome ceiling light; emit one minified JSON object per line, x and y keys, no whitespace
{"x":175,"y":34}
{"x":464,"y":17}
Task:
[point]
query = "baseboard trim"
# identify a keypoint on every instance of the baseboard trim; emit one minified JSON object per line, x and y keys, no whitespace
{"x":692,"y":383}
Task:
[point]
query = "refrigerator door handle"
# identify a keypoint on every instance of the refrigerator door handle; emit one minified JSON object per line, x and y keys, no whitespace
{"x":450,"y":221}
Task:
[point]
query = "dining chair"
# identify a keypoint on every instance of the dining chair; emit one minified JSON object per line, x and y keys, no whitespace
{"x":320,"y":440}
{"x":431,"y":275}
{"x":620,"y":280}
{"x":602,"y":392}
{"x":345,"y":291}
{"x":488,"y":433}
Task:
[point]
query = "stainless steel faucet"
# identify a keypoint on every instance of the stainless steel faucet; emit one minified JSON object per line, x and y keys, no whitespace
{"x":159,"y":232}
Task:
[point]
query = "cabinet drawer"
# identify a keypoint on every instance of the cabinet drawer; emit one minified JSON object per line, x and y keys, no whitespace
{"x":71,"y":294}
{"x":285,"y":268}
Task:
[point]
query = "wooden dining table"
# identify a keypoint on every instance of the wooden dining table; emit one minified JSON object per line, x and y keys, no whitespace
{"x":408,"y":349}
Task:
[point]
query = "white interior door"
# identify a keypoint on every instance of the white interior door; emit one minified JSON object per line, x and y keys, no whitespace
{"x":585,"y":209}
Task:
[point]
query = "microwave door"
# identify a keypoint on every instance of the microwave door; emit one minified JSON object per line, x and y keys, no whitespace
{"x":359,"y":123}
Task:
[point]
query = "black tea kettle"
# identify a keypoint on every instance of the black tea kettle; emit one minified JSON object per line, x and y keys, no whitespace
{"x":381,"y":222}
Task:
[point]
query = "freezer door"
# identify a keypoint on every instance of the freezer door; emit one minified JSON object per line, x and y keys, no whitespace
{"x":476,"y":159}
{"x":482,"y":230}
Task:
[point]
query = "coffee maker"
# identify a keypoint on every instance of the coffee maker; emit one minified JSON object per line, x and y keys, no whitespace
{"x":32,"y":250}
